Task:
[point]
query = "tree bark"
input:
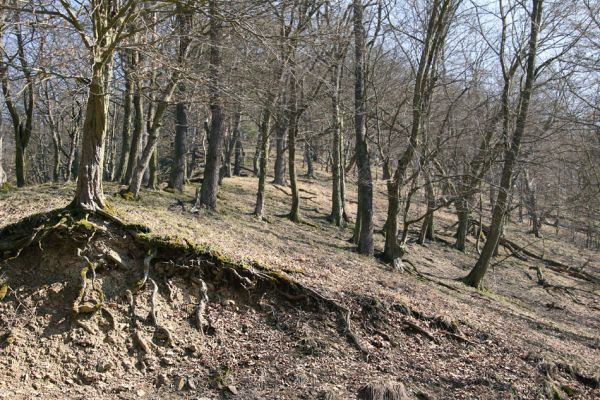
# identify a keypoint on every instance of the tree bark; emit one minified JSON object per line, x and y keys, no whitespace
{"x":281,"y":131}
{"x":3,"y":177}
{"x":292,"y":134}
{"x":427,"y":228}
{"x":153,"y":179}
{"x":337,"y":168}
{"x":265,"y":127}
{"x":365,"y":183}
{"x":127,"y":120}
{"x":178,"y":171}
{"x":89,"y":194}
{"x":210,"y":185}
{"x":138,"y":125}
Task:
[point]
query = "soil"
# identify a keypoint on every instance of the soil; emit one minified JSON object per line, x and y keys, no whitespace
{"x":276,"y":328}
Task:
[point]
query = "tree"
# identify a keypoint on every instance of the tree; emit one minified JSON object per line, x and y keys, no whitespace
{"x":511,"y":154}
{"x":440,"y":17}
{"x":207,"y":196}
{"x":364,"y":217}
{"x":22,"y":122}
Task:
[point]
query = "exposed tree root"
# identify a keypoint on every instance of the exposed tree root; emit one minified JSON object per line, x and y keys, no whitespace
{"x":198,"y":264}
{"x":201,"y":308}
{"x":160,"y":329}
{"x":553,"y":370}
{"x":416,"y":328}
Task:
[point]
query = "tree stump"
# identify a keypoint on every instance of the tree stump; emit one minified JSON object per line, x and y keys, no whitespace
{"x":383,"y":391}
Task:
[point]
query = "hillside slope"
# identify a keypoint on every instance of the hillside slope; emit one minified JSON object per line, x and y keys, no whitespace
{"x":441,"y":339}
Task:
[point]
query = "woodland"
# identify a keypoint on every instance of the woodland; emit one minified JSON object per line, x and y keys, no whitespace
{"x":300,"y":199}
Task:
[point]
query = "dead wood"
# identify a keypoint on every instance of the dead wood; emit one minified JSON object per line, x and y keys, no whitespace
{"x":551,"y":264}
{"x":416,"y":328}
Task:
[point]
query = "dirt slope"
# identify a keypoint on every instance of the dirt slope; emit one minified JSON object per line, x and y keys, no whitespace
{"x":518,"y":340}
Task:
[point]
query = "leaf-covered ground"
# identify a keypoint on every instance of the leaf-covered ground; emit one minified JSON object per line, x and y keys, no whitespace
{"x":512,"y":339}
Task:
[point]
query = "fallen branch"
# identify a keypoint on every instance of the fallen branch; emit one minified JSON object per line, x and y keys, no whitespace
{"x":551,"y":264}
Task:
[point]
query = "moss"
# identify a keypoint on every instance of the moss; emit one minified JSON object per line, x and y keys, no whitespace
{"x":87,"y":225}
{"x":299,"y":271}
{"x":280,"y":276}
{"x":128,"y":196}
{"x":168,"y":242}
{"x":6,"y":187}
{"x":3,"y":291}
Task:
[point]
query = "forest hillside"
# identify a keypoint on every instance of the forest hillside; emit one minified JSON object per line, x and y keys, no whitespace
{"x":300,"y":199}
{"x":304,"y":316}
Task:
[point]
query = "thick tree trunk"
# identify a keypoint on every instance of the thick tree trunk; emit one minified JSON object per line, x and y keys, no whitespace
{"x":153,"y":179}
{"x":89,"y":194}
{"x":20,"y":164}
{"x":365,"y":183}
{"x":178,"y":171}
{"x":210,"y":184}
{"x":475,"y":277}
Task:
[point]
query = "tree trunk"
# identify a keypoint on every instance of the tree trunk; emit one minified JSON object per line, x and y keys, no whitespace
{"x":475,"y":277}
{"x":292,"y":133}
{"x":111,"y":145}
{"x":20,"y":164}
{"x":281,"y":131}
{"x":72,"y":159}
{"x":127,"y":120}
{"x":437,"y":27}
{"x":3,"y":177}
{"x":153,"y":180}
{"x":178,"y":170}
{"x":89,"y":194}
{"x":138,"y":130}
{"x":226,"y":168}
{"x":365,"y":183}
{"x":427,"y":228}
{"x":309,"y":156}
{"x":210,"y":184}
{"x":463,"y":214}
{"x":238,"y":162}
{"x":265,"y":127}
{"x":337,"y":168}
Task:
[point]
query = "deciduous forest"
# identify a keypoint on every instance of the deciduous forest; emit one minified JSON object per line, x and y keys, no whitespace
{"x":300,"y":199}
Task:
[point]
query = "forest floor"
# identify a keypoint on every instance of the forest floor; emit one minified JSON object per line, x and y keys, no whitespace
{"x":517,"y":339}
